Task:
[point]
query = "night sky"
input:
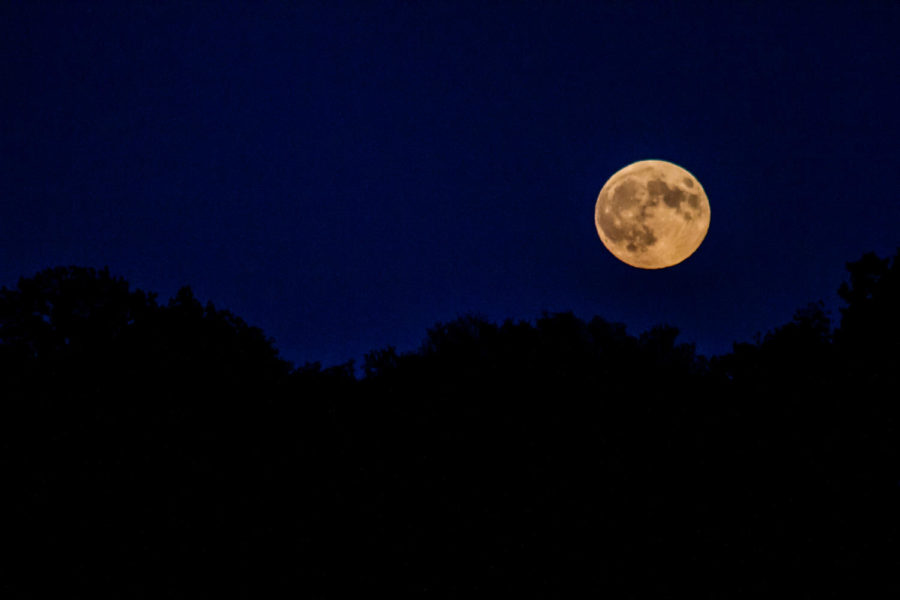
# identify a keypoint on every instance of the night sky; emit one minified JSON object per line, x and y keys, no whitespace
{"x":345,"y":175}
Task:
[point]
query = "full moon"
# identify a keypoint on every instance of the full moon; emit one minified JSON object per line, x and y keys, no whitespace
{"x":652,"y":214}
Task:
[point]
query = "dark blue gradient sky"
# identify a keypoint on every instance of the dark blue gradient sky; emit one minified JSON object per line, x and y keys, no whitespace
{"x":344,"y":175}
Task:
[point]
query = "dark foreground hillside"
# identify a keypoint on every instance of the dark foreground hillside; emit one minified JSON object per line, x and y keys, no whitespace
{"x":164,"y":450}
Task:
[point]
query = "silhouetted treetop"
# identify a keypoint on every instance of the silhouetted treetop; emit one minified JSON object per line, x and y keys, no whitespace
{"x":189,"y":332}
{"x":68,"y":309}
{"x":81,"y":322}
{"x":800,"y":350}
{"x":870,"y":321}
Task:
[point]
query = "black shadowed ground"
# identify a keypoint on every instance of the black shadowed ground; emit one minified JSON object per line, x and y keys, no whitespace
{"x":165,"y":450}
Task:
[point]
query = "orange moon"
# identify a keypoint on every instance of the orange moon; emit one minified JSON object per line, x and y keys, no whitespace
{"x":652,"y":214}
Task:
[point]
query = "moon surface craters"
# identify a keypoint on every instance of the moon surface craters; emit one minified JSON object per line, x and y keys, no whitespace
{"x":674,"y":197}
{"x":624,"y":217}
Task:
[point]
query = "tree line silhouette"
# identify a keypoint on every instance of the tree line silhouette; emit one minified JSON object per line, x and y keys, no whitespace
{"x":166,"y":450}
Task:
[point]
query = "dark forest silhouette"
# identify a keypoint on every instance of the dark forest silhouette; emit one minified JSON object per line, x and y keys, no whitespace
{"x":154,"y":450}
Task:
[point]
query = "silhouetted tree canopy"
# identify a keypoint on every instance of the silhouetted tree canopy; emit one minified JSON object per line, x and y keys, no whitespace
{"x":869,"y":334}
{"x":165,"y":450}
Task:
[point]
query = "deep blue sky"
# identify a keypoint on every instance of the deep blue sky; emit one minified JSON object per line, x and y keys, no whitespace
{"x":344,"y":175}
